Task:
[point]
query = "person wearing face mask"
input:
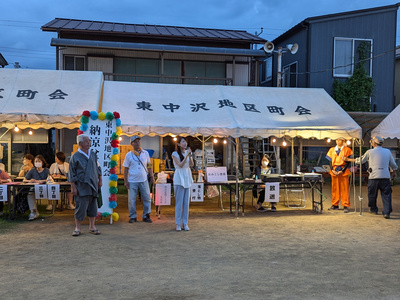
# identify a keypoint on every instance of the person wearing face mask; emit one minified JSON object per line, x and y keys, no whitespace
{"x":38,"y":174}
{"x":264,"y":168}
{"x":183,"y":160}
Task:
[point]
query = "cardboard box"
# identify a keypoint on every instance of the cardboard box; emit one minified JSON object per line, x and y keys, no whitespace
{"x":210,"y":160}
{"x":210,"y":153}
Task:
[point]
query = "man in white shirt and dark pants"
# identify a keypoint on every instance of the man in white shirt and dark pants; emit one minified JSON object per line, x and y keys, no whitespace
{"x":380,"y":160}
{"x":138,"y":170}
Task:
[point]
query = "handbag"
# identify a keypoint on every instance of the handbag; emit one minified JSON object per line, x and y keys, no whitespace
{"x":21,"y":203}
{"x":99,"y":199}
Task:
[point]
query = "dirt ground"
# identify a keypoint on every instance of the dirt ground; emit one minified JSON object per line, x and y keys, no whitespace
{"x":290,"y":254}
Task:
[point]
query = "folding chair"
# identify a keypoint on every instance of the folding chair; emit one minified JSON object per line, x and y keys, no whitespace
{"x":295,"y":195}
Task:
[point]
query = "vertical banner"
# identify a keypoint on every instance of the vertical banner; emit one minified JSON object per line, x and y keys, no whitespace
{"x":53,"y":191}
{"x":41,"y":191}
{"x":216,"y":174}
{"x":197,"y":192}
{"x":271,"y":192}
{"x":163,"y":194}
{"x":3,"y":192}
{"x":100,"y":134}
{"x":104,"y":130}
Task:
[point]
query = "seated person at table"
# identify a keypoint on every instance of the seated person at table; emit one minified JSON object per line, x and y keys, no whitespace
{"x":59,"y":169}
{"x":4,"y":178}
{"x":264,"y":168}
{"x":38,"y":174}
{"x":27,"y":164}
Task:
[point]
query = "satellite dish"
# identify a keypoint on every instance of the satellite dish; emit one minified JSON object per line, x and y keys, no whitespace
{"x":292,"y":48}
{"x":268,"y":47}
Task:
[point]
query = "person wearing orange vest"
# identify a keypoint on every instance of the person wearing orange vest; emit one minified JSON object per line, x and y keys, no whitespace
{"x":339,"y":174}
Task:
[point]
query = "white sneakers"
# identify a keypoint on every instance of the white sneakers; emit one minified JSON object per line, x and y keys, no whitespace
{"x":33,"y":215}
{"x":185,"y":227}
{"x":49,"y":207}
{"x":71,"y":206}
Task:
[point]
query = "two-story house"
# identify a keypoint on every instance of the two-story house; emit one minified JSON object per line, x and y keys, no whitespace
{"x":328,"y":51}
{"x":157,"y":54}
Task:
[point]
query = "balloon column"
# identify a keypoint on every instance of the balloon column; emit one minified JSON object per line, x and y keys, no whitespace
{"x":114,"y":142}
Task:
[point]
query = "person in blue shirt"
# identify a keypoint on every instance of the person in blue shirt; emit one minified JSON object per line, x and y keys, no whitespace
{"x":38,"y":174}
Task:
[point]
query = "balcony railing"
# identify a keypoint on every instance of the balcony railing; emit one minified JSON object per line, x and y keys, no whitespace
{"x":167,"y":79}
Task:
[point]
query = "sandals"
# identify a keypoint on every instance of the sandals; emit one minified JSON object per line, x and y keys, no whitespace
{"x":94,"y":231}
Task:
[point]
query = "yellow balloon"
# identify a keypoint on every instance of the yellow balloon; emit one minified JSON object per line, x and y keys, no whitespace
{"x":113,"y":183}
{"x":114,"y":157}
{"x":102,"y":116}
{"x":115,"y":216}
{"x":118,"y":130}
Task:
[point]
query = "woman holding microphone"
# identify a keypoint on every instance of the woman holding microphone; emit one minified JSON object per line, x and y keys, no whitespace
{"x":183,"y":160}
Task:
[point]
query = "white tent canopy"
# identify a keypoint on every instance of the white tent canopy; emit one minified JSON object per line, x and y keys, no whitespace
{"x":47,"y":99}
{"x":162,"y":109}
{"x":390,"y":126}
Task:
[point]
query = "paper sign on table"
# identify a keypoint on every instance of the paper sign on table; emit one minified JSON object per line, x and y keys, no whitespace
{"x":3,"y":192}
{"x":197,"y":192}
{"x":53,"y":191}
{"x":216,"y":174}
{"x":271,"y":192}
{"x":41,"y":191}
{"x":163,"y":194}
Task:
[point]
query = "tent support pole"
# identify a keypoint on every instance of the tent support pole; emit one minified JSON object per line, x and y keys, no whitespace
{"x":237,"y":178}
{"x":360,"y":197}
{"x":278,"y":159}
{"x":161,"y":143}
{"x":353,"y":177}
{"x":293,"y":156}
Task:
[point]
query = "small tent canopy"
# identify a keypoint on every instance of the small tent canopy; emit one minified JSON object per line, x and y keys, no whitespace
{"x":47,"y":99}
{"x":163,"y":109}
{"x":390,"y":126}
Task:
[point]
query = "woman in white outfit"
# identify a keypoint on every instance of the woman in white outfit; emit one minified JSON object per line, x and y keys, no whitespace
{"x":183,"y":160}
{"x":60,"y":169}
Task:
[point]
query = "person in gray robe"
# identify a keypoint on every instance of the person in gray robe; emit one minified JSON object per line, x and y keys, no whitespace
{"x":86,"y":181}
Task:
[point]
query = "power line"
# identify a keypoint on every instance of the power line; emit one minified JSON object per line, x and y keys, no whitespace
{"x":348,"y":65}
{"x":21,"y":49}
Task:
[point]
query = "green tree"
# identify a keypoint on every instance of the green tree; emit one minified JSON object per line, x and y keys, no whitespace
{"x":354,"y":94}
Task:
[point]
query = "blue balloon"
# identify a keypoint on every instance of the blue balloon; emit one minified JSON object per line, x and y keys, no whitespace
{"x":94,"y":115}
{"x":114,"y":177}
{"x":83,"y":127}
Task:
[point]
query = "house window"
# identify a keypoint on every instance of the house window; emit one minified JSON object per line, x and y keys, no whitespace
{"x":74,"y":63}
{"x":204,"y":73}
{"x":136,"y":70}
{"x":289,"y":76}
{"x":174,"y":71}
{"x":346,"y":55}
{"x":266,"y":70}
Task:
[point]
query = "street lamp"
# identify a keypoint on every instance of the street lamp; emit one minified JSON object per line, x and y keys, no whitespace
{"x":269,"y":48}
